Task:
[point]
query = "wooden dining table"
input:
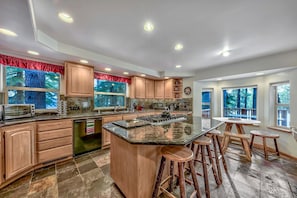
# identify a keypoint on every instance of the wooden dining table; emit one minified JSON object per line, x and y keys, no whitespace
{"x":238,"y":122}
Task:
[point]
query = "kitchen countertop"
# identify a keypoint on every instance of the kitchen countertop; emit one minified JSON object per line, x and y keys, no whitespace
{"x":177,"y":133}
{"x":69,"y":116}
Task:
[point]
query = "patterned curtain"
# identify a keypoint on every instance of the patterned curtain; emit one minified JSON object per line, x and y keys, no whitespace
{"x":29,"y":64}
{"x":108,"y":77}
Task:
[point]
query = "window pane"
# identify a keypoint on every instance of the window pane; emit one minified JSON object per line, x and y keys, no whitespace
{"x":240,"y":103}
{"x":102,"y":100}
{"x":283,"y":116}
{"x":109,"y":87}
{"x":18,"y":77}
{"x":283,"y":94}
{"x":206,"y":96}
{"x":42,"y":100}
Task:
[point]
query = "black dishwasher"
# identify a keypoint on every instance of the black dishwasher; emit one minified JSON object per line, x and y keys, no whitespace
{"x":87,"y":135}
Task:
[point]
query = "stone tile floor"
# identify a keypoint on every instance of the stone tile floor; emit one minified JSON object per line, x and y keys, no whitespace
{"x":87,"y":176}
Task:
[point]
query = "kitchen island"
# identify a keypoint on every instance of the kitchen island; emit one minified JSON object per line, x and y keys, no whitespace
{"x":135,"y":151}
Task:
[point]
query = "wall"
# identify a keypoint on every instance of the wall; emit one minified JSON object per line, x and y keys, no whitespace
{"x":287,"y":143}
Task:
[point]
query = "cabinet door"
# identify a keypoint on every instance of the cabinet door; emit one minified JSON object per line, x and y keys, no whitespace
{"x":159,"y":88}
{"x":19,"y":149}
{"x":149,"y":88}
{"x":168,"y":88}
{"x":139,"y":87}
{"x":105,"y":133}
{"x":1,"y":158}
{"x":79,"y":80}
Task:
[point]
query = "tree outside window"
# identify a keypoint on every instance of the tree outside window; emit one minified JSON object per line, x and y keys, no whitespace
{"x":240,"y":103}
{"x":282,"y":104}
{"x":25,"y":86}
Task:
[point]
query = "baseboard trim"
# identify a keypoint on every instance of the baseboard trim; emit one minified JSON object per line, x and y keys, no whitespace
{"x":284,"y":155}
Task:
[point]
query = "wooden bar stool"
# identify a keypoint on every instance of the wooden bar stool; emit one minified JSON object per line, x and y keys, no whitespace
{"x":181,"y":155}
{"x":218,"y":151}
{"x":264,"y":135}
{"x":204,"y":143}
{"x":244,"y":142}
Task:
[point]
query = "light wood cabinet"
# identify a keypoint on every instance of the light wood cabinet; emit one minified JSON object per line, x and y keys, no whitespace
{"x":159,"y":89}
{"x":1,"y":158}
{"x":105,"y":133}
{"x":19,"y":148}
{"x":54,"y":140}
{"x":137,"y":89}
{"x":149,"y":88}
{"x":168,"y":92}
{"x":79,"y":80}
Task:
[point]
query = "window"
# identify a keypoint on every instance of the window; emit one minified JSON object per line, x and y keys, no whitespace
{"x":281,"y":104}
{"x":240,"y":103}
{"x":25,"y":86}
{"x":206,"y":103}
{"x":108,"y":94}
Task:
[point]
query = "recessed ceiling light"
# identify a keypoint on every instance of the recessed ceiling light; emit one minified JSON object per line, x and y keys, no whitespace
{"x":219,"y":78}
{"x":7,"y":32}
{"x":166,"y":77}
{"x":33,"y":52}
{"x":125,"y":73}
{"x":178,"y":66}
{"x":84,"y":61}
{"x":178,"y":47}
{"x":259,"y":74}
{"x":65,"y":17}
{"x":143,"y":75}
{"x":107,"y":69}
{"x":148,"y":27}
{"x":226,"y":53}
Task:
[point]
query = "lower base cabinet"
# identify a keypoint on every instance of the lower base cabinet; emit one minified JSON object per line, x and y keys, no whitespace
{"x":19,"y":148}
{"x":1,"y":158}
{"x":106,"y":134}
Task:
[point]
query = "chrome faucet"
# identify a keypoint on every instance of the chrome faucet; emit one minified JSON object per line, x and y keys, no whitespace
{"x":116,"y":108}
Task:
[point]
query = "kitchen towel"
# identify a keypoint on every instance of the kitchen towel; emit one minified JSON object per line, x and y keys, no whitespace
{"x":90,"y":128}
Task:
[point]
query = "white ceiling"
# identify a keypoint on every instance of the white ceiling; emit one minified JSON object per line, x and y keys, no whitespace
{"x":109,"y":33}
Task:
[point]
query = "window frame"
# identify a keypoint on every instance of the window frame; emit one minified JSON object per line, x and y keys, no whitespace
{"x":6,"y":88}
{"x":241,"y":87}
{"x":276,"y":104}
{"x":110,"y":94}
{"x":207,"y":103}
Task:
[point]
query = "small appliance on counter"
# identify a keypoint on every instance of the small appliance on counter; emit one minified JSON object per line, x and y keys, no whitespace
{"x":14,"y":111}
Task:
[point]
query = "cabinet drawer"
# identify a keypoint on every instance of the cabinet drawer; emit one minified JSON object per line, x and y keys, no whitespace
{"x":55,"y":153}
{"x":53,"y":125}
{"x":111,"y":118}
{"x":48,"y":135}
{"x":54,"y":143}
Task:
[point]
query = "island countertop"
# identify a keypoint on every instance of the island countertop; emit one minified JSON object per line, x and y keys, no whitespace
{"x":176,"y":133}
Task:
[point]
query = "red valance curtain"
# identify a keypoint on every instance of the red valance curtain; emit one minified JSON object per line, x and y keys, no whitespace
{"x":29,"y":64}
{"x":108,"y":77}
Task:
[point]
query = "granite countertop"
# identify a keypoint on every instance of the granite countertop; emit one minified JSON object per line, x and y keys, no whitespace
{"x":69,"y":116}
{"x":177,"y":133}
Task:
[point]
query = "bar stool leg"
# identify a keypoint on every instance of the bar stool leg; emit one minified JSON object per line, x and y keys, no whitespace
{"x":171,"y":176}
{"x":265,"y":149}
{"x":252,"y":142}
{"x":205,"y":173}
{"x":276,"y":147}
{"x":222,"y":154}
{"x":212,"y":165}
{"x":181,"y":180}
{"x":159,"y":177}
{"x":217,"y":158}
{"x":192,"y":169}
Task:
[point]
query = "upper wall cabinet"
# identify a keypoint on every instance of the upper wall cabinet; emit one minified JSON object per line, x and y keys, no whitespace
{"x":79,"y":80}
{"x":168,"y":92}
{"x":137,"y":88}
{"x":149,"y":88}
{"x":159,"y":89}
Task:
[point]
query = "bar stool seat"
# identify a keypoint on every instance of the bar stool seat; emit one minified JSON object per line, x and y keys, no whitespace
{"x":204,"y":143}
{"x":264,"y":135}
{"x":181,"y":155}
